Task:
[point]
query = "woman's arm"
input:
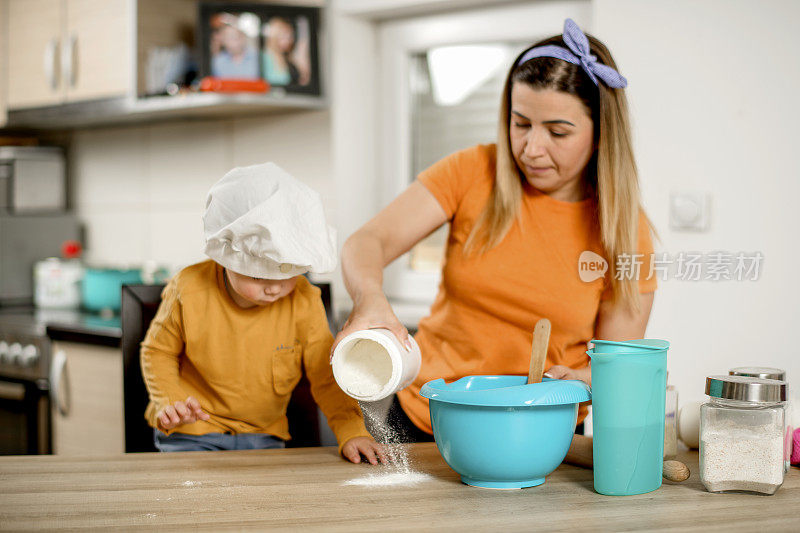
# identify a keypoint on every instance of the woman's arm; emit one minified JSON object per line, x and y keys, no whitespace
{"x":614,"y":323}
{"x":411,"y":217}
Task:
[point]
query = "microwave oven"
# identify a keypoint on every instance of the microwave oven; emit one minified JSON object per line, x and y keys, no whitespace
{"x":32,"y":179}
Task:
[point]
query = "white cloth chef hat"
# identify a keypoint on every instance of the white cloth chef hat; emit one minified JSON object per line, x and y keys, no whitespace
{"x":262,"y":222}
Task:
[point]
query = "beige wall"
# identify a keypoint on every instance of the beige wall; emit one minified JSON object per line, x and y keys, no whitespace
{"x":141,"y":190}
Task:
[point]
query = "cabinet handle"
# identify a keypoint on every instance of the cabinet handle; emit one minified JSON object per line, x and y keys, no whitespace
{"x":59,"y":377}
{"x":70,"y":70}
{"x":50,"y":66}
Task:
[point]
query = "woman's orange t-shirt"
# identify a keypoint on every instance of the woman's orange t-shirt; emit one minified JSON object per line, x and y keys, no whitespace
{"x":483,"y":317}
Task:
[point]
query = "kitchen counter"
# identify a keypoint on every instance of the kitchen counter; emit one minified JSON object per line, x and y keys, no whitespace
{"x":65,"y":324}
{"x":306,"y":488}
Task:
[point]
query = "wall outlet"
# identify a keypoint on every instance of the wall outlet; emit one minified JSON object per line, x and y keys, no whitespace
{"x":689,"y":211}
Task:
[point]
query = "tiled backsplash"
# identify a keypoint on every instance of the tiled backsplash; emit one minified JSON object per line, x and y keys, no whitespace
{"x":141,"y":190}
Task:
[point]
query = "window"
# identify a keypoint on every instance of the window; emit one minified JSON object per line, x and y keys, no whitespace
{"x":455,"y":101}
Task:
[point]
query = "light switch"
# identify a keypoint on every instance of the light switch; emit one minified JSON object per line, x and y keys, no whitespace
{"x":689,"y":211}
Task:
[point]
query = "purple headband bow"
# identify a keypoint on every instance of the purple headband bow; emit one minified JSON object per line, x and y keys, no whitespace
{"x":579,"y":53}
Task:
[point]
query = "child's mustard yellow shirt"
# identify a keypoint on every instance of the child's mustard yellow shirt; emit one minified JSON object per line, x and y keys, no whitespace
{"x":241,"y":364}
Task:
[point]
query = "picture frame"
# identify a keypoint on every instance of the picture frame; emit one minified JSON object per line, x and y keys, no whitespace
{"x":278,"y":43}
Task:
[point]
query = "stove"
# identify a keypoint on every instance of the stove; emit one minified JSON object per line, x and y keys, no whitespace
{"x":30,"y":378}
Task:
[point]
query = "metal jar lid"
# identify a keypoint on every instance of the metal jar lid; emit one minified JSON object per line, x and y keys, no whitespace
{"x":746,"y":389}
{"x":762,"y":372}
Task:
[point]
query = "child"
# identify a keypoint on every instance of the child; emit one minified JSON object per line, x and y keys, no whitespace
{"x":233,"y":335}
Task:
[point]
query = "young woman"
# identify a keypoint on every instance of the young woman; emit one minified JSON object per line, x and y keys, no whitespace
{"x":560,"y":181}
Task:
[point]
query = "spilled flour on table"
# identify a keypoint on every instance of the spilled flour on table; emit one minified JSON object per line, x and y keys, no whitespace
{"x":390,"y":478}
{"x":399,"y":471}
{"x":191,"y":483}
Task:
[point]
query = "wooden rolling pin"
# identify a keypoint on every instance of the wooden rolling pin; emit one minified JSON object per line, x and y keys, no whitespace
{"x":580,"y":454}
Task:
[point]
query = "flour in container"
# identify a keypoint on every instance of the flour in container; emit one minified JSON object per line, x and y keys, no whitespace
{"x":738,"y":459}
{"x":367,"y":370}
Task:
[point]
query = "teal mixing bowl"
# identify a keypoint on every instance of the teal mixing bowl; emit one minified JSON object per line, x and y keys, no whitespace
{"x":498,"y":432}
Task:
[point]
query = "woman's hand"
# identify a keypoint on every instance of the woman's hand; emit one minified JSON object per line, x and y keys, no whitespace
{"x":180,"y":413}
{"x":358,"y":446}
{"x":565,"y":372}
{"x":373,"y":311}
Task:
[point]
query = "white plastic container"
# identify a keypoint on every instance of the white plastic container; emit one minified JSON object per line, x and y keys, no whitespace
{"x":57,"y":283}
{"x":371,"y":364}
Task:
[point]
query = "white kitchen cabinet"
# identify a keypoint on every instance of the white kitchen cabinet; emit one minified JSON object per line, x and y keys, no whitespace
{"x":82,"y":63}
{"x":62,"y":51}
{"x":99,"y":48}
{"x":34,"y":53}
{"x":93,"y":392}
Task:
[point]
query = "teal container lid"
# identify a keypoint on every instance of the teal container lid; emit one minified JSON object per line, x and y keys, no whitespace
{"x":506,"y":391}
{"x":638,"y":344}
{"x":636,"y":354}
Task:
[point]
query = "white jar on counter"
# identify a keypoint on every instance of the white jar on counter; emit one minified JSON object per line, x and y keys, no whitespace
{"x":57,"y":283}
{"x":371,"y":364}
{"x":742,"y":434}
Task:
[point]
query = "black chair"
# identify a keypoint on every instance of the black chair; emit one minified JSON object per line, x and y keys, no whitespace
{"x":139,"y":306}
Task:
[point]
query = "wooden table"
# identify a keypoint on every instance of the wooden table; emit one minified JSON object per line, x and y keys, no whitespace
{"x":306,"y":489}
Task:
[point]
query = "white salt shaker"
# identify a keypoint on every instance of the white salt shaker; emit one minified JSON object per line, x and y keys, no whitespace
{"x":371,"y":364}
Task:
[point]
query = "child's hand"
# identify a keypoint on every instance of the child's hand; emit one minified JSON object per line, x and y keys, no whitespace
{"x":181,"y":413}
{"x":564,"y":372}
{"x":358,"y":446}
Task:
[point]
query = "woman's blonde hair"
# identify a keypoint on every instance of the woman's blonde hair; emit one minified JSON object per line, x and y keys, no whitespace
{"x":612,"y":175}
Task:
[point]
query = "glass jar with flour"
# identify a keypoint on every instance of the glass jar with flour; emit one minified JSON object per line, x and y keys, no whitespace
{"x":764,"y":372}
{"x":371,"y":364}
{"x":742,"y":434}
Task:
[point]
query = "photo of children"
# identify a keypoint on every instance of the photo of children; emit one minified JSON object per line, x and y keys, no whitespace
{"x":233,"y":45}
{"x":285,"y":56}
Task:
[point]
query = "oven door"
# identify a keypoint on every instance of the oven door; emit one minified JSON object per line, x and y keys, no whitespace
{"x":24,"y":419}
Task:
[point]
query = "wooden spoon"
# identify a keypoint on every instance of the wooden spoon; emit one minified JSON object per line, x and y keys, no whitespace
{"x":580,"y":454}
{"x":541,"y":338}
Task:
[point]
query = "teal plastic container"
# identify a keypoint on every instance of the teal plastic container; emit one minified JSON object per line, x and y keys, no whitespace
{"x":102,"y":287}
{"x":628,"y":401}
{"x":499,"y":432}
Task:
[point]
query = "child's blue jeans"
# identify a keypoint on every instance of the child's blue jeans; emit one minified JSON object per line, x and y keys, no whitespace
{"x":182,"y":442}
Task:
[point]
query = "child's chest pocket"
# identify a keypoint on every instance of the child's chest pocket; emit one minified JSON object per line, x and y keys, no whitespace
{"x":286,"y":369}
